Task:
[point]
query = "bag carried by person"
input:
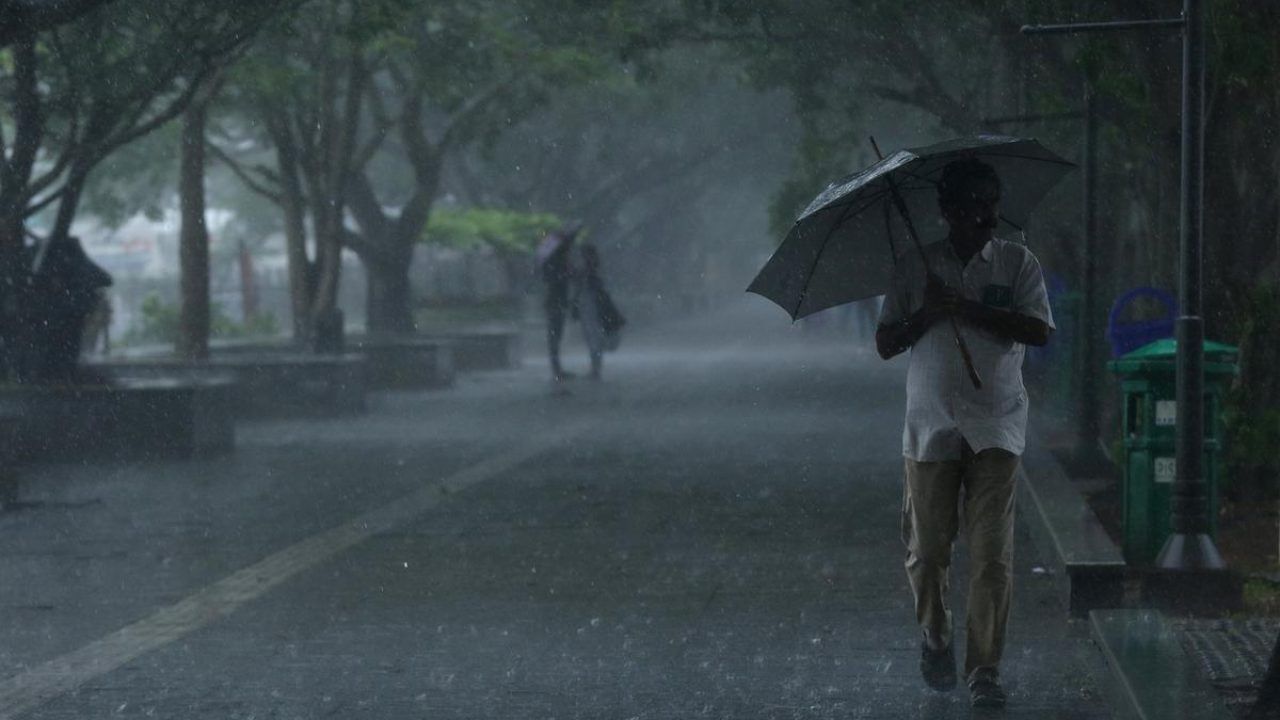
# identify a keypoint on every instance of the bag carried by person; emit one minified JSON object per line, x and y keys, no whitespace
{"x":611,"y":319}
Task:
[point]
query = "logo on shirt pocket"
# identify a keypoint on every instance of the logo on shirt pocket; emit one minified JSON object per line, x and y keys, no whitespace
{"x":999,"y":296}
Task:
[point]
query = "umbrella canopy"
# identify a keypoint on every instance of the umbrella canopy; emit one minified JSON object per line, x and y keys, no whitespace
{"x":554,"y":239}
{"x":843,"y":247}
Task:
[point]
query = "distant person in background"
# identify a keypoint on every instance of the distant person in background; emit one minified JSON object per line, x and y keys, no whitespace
{"x":66,"y":289}
{"x":601,"y":321}
{"x":555,"y":260}
{"x":97,"y":327}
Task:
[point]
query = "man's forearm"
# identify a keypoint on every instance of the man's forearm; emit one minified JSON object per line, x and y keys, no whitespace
{"x":897,"y":337}
{"x":1015,"y":326}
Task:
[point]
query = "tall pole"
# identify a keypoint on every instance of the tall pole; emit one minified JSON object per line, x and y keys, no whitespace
{"x":1087,"y":429}
{"x":1190,"y":547}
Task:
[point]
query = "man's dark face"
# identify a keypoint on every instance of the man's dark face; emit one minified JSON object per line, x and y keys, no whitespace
{"x":976,"y":209}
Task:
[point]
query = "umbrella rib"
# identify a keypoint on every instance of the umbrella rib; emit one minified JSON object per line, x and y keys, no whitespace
{"x":926,"y":178}
{"x":804,"y":292}
{"x":1052,"y":160}
{"x":871,"y":198}
{"x":888,"y":230}
{"x":1014,"y":156}
{"x":923,"y":178}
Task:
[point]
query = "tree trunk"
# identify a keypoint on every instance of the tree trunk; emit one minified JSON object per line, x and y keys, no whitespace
{"x":390,"y":302}
{"x":194,"y":316}
{"x":15,"y":175}
{"x":14,"y":272}
{"x":328,"y":266}
{"x":385,"y":246}
{"x":324,"y":317}
{"x":293,"y":204}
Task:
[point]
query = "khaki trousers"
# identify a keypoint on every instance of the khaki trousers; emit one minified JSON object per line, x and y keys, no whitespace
{"x":931,"y":507}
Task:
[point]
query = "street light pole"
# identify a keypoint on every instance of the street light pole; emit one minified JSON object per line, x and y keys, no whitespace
{"x":1189,"y":547}
{"x":1087,"y":430}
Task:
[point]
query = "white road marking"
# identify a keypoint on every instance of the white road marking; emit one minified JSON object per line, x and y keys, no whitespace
{"x":36,"y":686}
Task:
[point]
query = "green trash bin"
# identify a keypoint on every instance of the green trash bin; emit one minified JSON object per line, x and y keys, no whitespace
{"x":1149,"y":420}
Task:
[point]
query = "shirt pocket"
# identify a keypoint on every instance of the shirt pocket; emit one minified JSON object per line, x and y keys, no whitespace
{"x":998,"y":296}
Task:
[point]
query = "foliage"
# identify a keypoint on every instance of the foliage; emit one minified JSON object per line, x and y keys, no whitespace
{"x":670,"y":163}
{"x":1252,"y":420}
{"x":351,"y":109}
{"x":112,"y":76}
{"x":457,"y":76}
{"x":19,"y":17}
{"x":159,"y":324}
{"x":502,"y":230}
{"x":1261,"y":596}
{"x":258,"y":324}
{"x":873,"y":67}
{"x":468,"y":313}
{"x":825,"y":152}
{"x":140,"y":177}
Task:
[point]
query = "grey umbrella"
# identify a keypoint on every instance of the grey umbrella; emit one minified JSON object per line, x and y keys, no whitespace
{"x":843,"y":247}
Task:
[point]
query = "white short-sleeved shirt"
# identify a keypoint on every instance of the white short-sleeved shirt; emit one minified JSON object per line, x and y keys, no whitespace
{"x":943,"y":408}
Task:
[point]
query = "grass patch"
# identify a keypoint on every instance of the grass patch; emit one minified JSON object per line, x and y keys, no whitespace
{"x":1261,"y":597}
{"x":442,"y":316}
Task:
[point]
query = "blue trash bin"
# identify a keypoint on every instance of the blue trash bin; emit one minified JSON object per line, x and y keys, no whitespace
{"x":1127,"y":336}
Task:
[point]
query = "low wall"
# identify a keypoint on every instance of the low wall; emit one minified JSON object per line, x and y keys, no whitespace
{"x":403,"y":362}
{"x":497,"y":349}
{"x":134,"y":419}
{"x":267,"y":382}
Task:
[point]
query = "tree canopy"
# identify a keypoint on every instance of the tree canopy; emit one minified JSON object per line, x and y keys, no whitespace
{"x":19,"y":18}
{"x":79,"y":82}
{"x":500,"y":229}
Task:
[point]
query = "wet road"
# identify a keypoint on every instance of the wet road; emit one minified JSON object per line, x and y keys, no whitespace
{"x":710,"y":532}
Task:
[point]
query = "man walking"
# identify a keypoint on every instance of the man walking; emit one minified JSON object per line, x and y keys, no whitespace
{"x":962,"y":444}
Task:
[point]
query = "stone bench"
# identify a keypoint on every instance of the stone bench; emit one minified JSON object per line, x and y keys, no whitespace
{"x":1088,"y":569}
{"x":268,"y":382}
{"x":485,"y":349}
{"x":10,"y":436}
{"x":402,"y":362}
{"x":127,"y":420}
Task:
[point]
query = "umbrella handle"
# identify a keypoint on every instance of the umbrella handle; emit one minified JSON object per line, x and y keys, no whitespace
{"x":974,"y":377}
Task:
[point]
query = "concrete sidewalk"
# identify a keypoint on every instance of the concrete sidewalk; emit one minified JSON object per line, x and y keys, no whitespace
{"x":711,"y":532}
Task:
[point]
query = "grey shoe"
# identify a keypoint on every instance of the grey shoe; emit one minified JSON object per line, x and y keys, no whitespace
{"x":938,"y":667}
{"x":985,"y":691}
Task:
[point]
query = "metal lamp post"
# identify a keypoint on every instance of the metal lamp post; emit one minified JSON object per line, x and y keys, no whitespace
{"x":1189,"y":547}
